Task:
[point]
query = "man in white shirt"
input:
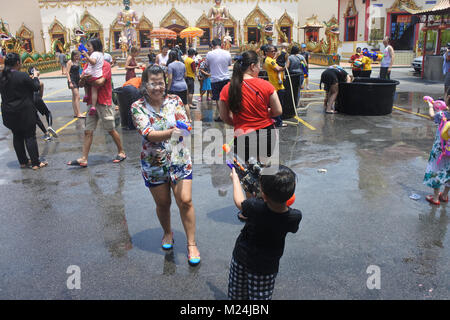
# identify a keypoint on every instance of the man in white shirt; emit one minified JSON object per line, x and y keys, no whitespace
{"x":218,"y":61}
{"x":388,"y":60}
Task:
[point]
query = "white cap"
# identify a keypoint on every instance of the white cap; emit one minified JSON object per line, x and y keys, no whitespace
{"x":107,"y":57}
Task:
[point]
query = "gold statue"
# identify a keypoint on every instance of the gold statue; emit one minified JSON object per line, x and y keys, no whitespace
{"x":218,"y":14}
{"x":227,"y":41}
{"x":129,"y":20}
{"x":123,"y":41}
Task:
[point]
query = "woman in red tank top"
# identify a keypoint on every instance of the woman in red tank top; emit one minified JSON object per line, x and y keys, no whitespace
{"x":249,"y":103}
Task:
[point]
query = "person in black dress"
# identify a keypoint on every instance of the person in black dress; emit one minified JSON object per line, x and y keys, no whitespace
{"x":73,"y":81}
{"x":18,"y":110}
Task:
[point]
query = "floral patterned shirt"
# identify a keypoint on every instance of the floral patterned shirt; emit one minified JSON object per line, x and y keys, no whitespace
{"x":169,"y":158}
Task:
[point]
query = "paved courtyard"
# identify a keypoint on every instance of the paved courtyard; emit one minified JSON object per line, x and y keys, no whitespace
{"x":356,"y":213}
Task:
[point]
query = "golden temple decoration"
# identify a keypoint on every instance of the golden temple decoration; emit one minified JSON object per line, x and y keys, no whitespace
{"x":174,"y":17}
{"x":312,"y":22}
{"x":57,"y":31}
{"x":351,"y":9}
{"x":203,"y":22}
{"x":287,"y":22}
{"x":257,"y":16}
{"x":101,"y":3}
{"x":91,"y":25}
{"x":27,"y":36}
{"x":399,"y":6}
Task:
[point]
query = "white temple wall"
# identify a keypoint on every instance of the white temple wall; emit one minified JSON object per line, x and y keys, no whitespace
{"x":26,"y":12}
{"x":298,"y":10}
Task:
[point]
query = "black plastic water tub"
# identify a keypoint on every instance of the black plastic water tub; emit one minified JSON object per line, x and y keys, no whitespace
{"x":366,"y":97}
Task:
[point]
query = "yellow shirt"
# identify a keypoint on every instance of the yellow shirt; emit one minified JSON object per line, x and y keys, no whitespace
{"x":367,"y":63}
{"x":188,"y":63}
{"x":269,"y":66}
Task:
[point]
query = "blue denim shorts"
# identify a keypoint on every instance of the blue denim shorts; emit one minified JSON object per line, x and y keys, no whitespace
{"x":163,"y":181}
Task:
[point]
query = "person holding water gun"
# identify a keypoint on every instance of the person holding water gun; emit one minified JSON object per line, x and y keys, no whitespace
{"x":93,"y":52}
{"x":356,"y":62}
{"x":437,"y":173}
{"x":249,"y":104}
{"x":260,"y":245}
{"x":367,"y":65}
{"x":166,"y":164}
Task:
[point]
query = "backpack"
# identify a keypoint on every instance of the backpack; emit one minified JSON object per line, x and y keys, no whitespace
{"x":444,"y":127}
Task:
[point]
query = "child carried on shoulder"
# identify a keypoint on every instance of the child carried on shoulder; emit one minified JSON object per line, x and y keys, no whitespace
{"x":95,"y":59}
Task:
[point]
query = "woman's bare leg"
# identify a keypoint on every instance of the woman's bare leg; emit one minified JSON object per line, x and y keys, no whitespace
{"x":183,"y":196}
{"x":161,"y":195}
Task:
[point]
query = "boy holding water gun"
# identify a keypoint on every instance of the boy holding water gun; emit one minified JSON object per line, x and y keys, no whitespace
{"x":260,"y":245}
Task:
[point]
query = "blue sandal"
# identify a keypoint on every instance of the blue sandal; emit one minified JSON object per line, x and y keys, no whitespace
{"x":193,"y":260}
{"x":168,"y":245}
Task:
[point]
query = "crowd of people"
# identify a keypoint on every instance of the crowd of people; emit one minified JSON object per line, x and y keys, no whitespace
{"x":163,"y":96}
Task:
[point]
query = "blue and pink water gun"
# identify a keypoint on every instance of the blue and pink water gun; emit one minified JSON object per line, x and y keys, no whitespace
{"x":82,"y":48}
{"x":185,"y":129}
{"x":373,"y":55}
{"x":438,"y":105}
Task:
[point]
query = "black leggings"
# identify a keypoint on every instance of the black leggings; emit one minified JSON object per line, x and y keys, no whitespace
{"x":42,"y":108}
{"x":26,"y":138}
{"x":261,"y":135}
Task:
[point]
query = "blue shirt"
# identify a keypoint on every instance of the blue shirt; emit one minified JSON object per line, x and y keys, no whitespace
{"x":177,"y":69}
{"x":446,"y":64}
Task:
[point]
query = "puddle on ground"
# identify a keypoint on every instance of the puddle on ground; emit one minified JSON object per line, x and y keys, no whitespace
{"x":359,"y":131}
{"x":413,"y":101}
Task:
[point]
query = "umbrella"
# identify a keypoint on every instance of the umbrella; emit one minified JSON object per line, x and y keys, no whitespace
{"x":163,"y":33}
{"x":191,"y":32}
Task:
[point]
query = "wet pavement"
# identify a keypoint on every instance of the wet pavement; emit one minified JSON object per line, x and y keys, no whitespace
{"x":356,"y":213}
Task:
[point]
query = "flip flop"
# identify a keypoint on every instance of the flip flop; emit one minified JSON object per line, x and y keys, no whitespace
{"x":119,"y":158}
{"x":77,"y":163}
{"x":330,"y":112}
{"x":432,"y":201}
{"x":40,"y":166}
{"x":441,"y":198}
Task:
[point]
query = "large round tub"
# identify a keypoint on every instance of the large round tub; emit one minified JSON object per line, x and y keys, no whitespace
{"x":366,"y":97}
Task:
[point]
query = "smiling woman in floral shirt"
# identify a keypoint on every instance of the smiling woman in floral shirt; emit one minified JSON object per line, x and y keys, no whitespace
{"x":165,"y":160}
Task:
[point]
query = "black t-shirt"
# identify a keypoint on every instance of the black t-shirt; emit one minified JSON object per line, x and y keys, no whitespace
{"x":260,"y":244}
{"x":281,"y":60}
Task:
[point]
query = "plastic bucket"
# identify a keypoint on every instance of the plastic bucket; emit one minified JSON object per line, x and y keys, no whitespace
{"x":366,"y":97}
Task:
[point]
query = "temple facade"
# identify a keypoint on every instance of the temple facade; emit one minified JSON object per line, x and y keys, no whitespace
{"x":100,"y":17}
{"x":366,"y":23}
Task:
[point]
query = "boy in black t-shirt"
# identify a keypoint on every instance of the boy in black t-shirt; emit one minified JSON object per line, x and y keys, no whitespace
{"x":260,"y":245}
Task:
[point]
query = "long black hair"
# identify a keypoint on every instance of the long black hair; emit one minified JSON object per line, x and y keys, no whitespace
{"x":240,"y":66}
{"x":151,"y":70}
{"x":96,"y":44}
{"x":173,"y":56}
{"x":11,"y":60}
{"x":295,"y":50}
